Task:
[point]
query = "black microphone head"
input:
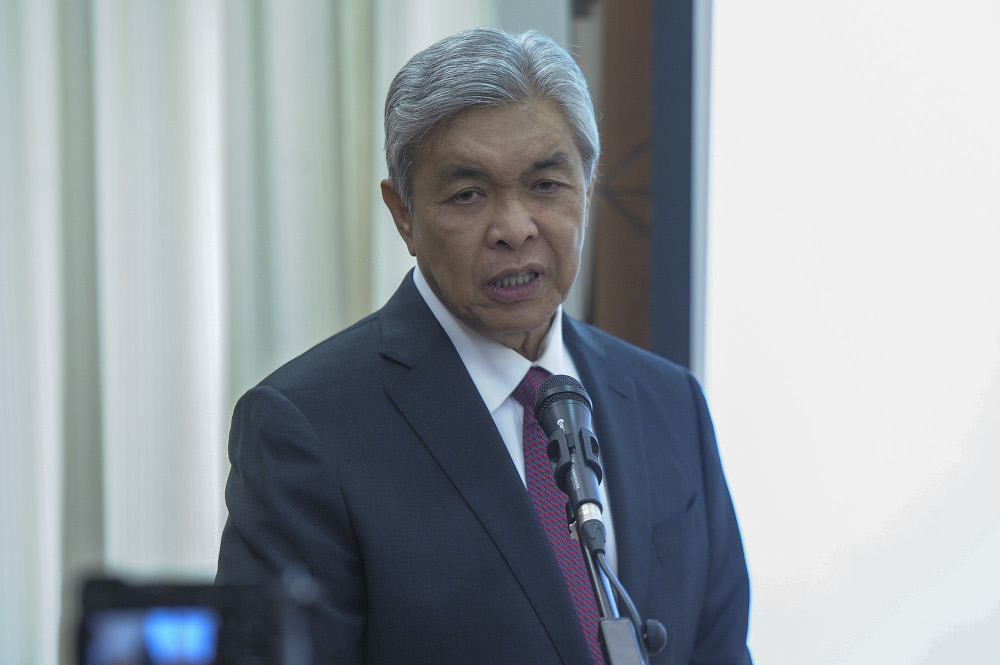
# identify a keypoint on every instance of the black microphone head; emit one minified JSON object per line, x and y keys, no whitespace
{"x":560,"y":390}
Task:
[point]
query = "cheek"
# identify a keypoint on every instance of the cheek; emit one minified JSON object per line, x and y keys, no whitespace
{"x":570,"y":233}
{"x":450,"y":256}
{"x":447,"y":229}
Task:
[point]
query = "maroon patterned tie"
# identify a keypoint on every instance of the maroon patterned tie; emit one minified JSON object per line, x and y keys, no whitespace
{"x":550,"y":503}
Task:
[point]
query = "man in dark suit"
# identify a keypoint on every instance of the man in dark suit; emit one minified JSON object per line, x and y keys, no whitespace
{"x":388,"y":460}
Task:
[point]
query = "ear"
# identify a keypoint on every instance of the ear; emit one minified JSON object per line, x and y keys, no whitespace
{"x":400,"y":215}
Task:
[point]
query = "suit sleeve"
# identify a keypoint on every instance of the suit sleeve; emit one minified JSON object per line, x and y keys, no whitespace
{"x":721,"y":637}
{"x":286,"y":509}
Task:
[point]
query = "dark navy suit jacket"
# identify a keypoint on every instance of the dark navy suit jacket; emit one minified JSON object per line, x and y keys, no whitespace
{"x":372,"y":461}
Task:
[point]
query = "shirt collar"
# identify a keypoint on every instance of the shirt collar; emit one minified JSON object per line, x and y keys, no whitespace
{"x":495,"y":369}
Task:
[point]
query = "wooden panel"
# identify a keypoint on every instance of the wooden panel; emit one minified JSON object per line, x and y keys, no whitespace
{"x":621,"y":205}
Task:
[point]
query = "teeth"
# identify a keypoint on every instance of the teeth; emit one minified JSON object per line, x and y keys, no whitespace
{"x":515,"y":280}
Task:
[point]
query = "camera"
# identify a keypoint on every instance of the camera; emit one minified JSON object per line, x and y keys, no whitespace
{"x":122,"y":623}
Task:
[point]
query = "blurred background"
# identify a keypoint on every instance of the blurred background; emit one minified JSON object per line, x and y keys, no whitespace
{"x":799,"y":199}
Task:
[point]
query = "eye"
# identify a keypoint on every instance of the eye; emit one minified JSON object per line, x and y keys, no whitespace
{"x":467,"y":197}
{"x":547,"y":186}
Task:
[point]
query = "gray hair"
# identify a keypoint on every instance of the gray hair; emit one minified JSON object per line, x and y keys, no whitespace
{"x":482,"y":67}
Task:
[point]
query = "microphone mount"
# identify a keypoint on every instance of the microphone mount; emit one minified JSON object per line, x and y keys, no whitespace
{"x":563,"y":409}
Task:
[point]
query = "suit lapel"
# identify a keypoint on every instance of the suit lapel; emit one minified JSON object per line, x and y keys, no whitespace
{"x":442,"y":405}
{"x":616,"y":423}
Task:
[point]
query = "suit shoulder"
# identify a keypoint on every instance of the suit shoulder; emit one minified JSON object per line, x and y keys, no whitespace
{"x":349,"y":353}
{"x":628,"y":357}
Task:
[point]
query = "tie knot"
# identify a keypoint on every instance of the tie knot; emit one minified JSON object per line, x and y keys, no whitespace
{"x":528,"y":388}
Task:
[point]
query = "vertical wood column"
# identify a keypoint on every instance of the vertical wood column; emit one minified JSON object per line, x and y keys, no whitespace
{"x":621,"y":199}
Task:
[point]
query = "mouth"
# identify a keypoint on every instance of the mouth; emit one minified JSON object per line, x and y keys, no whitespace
{"x":509,"y":281}
{"x":515,"y":285}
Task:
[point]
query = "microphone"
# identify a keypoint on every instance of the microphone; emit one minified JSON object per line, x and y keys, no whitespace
{"x":563,"y":409}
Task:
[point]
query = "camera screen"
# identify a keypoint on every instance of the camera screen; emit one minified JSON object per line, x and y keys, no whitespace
{"x":152,"y":636}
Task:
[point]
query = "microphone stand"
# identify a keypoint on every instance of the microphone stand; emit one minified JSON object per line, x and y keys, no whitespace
{"x":563,"y":409}
{"x":626,"y":640}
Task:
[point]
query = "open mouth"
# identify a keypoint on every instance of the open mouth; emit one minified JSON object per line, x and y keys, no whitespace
{"x":515,"y":280}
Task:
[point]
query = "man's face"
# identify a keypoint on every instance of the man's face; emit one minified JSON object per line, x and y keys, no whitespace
{"x":500,"y":201}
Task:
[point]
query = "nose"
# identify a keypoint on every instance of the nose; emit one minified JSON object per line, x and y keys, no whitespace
{"x":512,"y":224}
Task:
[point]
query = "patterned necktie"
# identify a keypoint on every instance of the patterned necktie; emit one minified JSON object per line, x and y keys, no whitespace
{"x":550,"y":502}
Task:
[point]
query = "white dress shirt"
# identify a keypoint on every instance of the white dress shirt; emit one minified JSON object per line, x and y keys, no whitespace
{"x":497,"y":370}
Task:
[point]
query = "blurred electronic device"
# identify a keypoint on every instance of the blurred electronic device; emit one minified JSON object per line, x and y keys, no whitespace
{"x":195,"y":624}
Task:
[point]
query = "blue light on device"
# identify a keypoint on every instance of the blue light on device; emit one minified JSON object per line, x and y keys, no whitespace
{"x":182,"y":634}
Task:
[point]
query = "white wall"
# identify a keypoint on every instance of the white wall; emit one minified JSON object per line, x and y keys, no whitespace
{"x":853,"y":356}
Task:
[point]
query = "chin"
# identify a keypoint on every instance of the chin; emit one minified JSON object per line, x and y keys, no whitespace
{"x":522,"y":325}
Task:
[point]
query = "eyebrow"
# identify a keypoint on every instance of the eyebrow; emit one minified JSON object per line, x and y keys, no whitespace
{"x":559,"y":160}
{"x":451,"y":172}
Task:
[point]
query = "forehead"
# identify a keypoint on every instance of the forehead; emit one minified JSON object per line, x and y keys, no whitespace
{"x":499,"y":138}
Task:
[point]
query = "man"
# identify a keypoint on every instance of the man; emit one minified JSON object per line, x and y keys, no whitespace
{"x":388,"y":460}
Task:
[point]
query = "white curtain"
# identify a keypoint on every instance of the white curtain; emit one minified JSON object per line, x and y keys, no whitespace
{"x":188,"y":196}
